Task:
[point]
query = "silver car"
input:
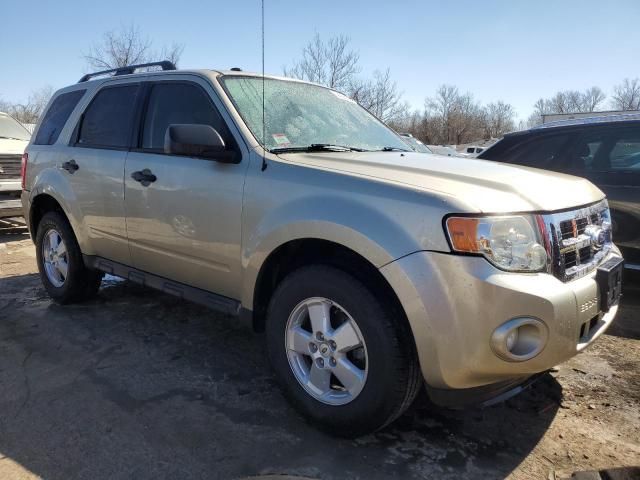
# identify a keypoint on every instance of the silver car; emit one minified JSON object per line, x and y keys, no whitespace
{"x":372,"y":269}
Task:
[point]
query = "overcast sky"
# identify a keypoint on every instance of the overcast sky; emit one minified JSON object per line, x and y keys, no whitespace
{"x":511,"y":50}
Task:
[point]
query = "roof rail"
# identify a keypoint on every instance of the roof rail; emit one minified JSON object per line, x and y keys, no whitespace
{"x":165,"y":65}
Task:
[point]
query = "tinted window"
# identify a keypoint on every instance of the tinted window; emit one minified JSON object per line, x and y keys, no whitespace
{"x":176,"y":103}
{"x":108,"y":120}
{"x":56,"y":117}
{"x":542,"y":152}
{"x":607,"y":149}
{"x":625,"y":154}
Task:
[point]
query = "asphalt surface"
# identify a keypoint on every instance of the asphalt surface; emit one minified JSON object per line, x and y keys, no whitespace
{"x":137,"y":384}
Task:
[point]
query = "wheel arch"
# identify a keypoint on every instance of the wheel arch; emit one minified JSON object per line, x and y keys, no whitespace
{"x":300,"y":252}
{"x":40,"y":205}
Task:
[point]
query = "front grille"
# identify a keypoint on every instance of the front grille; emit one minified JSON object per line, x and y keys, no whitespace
{"x":10,"y":166}
{"x":579,"y":240}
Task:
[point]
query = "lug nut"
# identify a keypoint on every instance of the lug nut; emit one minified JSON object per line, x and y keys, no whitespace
{"x":313,"y":347}
{"x":320,"y":363}
{"x":333,"y":362}
{"x":333,"y":345}
{"x":319,"y":336}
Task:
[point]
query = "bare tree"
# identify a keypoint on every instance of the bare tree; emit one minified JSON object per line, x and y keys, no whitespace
{"x":332,"y":63}
{"x":380,"y":96}
{"x":128,"y":46}
{"x":593,"y":98}
{"x":568,"y":101}
{"x":626,"y":96}
{"x":30,"y":111}
{"x":498,"y":118}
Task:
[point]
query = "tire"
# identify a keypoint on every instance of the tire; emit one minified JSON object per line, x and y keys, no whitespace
{"x":388,"y":358}
{"x":79,"y":283}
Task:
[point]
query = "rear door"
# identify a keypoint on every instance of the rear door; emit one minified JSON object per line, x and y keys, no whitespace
{"x":185,"y":225}
{"x":94,"y":165}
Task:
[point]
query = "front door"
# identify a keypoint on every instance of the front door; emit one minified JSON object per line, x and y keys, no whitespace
{"x":185,"y":224}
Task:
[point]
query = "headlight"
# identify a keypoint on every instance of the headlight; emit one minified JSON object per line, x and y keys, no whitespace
{"x":509,"y":242}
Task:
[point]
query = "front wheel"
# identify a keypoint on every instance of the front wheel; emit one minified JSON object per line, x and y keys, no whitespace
{"x":342,"y":357}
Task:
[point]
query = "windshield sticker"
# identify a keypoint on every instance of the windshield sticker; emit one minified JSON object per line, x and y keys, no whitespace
{"x":281,"y":139}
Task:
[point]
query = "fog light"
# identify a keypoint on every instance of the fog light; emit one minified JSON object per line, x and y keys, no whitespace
{"x":519,"y":339}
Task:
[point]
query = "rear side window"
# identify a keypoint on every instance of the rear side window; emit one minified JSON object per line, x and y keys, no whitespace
{"x":625,"y":154}
{"x":108,"y":120}
{"x":176,"y":103}
{"x":56,"y":117}
{"x":608,"y":149}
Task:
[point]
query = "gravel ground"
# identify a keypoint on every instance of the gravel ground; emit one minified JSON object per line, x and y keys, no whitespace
{"x":137,"y":384}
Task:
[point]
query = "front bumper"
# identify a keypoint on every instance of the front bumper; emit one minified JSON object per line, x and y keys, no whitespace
{"x":454,"y":304}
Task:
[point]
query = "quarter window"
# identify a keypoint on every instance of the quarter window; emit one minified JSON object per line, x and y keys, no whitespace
{"x":178,"y":103}
{"x":108,"y":120}
{"x":56,"y":117}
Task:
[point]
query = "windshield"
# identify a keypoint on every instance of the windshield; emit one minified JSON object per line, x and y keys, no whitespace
{"x":416,"y":144}
{"x":10,"y":128}
{"x":300,"y":115}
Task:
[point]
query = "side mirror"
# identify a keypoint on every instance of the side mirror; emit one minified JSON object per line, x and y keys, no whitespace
{"x":195,"y":141}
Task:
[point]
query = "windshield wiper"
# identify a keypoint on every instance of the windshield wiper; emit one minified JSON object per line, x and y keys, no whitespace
{"x":318,"y":147}
{"x":394,"y":149}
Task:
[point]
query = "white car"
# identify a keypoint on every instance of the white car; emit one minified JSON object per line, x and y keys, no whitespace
{"x":13,"y":140}
{"x":473,"y":151}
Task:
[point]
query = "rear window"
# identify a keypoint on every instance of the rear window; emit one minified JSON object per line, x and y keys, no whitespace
{"x":108,"y":120}
{"x":56,"y":117}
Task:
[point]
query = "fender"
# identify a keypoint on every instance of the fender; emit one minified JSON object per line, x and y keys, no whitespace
{"x":368,"y":232}
{"x":49,"y":181}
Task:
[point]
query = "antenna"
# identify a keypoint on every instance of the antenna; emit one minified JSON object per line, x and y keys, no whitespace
{"x":264,"y":140}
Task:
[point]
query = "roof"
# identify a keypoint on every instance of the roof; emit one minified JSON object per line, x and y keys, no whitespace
{"x":595,"y":120}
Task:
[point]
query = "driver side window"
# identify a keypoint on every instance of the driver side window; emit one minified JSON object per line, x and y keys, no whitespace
{"x":179,"y":103}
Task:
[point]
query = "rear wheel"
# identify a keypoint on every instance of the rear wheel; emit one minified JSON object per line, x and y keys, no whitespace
{"x":60,"y":263}
{"x":342,"y":357}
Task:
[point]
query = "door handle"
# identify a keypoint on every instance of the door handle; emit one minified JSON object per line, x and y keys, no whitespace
{"x":145,"y":177}
{"x":71,"y":166}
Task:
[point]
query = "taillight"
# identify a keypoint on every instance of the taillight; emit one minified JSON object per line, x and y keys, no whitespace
{"x":23,"y":169}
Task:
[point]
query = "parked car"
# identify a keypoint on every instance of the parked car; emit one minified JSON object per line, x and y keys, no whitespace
{"x":372,"y":269}
{"x":414,"y":143}
{"x":605,"y":150}
{"x":13,"y":140}
{"x":473,"y":151}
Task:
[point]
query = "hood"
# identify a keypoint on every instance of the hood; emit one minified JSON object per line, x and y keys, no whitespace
{"x":474,"y":185}
{"x":9,"y":146}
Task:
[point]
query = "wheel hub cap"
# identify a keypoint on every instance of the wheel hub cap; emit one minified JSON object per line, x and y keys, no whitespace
{"x":55,"y":258}
{"x":326,"y":351}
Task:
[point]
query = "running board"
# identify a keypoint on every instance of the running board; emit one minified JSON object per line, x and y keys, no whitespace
{"x":217,"y":302}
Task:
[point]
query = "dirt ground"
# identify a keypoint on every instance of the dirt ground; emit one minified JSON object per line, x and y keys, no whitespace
{"x":137,"y":384}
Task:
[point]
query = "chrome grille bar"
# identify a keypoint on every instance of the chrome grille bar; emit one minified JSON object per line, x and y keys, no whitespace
{"x":579,"y":240}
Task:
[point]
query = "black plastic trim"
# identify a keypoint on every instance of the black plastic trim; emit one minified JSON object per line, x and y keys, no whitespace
{"x":129,"y":69}
{"x":203,"y":297}
{"x":483,"y":396}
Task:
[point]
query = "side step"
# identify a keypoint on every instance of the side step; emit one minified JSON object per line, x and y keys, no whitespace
{"x":217,"y":302}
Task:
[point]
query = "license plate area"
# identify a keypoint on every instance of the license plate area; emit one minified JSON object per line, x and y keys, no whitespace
{"x":609,"y":280}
